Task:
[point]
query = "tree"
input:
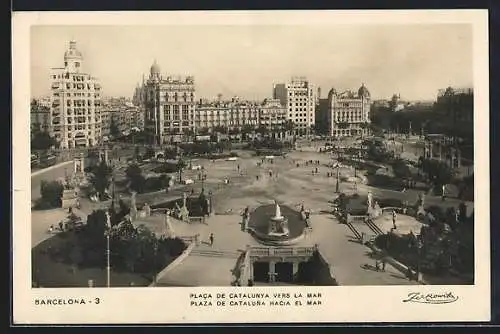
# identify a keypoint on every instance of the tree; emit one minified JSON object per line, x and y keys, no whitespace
{"x":137,"y":180}
{"x":202,"y":131}
{"x":181,"y":164}
{"x":137,"y":152}
{"x":150,"y":152}
{"x":401,"y":169}
{"x":113,"y":128}
{"x":101,"y":178}
{"x":52,"y":193}
{"x":42,"y":141}
{"x":437,"y":171}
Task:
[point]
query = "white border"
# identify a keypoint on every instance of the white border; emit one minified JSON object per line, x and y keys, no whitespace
{"x":171,"y":305}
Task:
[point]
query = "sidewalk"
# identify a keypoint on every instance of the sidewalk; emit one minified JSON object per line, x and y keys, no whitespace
{"x":41,"y":171}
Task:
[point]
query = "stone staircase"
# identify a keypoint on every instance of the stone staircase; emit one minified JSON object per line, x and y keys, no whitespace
{"x":202,"y":251}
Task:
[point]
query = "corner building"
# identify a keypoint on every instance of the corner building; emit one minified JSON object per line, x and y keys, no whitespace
{"x":169,"y":107}
{"x":75,"y":113}
{"x":348,"y":113}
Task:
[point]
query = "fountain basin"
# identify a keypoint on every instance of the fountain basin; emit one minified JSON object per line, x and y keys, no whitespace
{"x":262,"y":217}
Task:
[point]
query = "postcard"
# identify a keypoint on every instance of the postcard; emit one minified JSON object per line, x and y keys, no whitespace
{"x":250,"y":167}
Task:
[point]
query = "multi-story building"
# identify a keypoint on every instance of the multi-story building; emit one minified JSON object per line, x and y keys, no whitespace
{"x":299,"y":98}
{"x":321,"y":118}
{"x":75,"y":117}
{"x":169,"y":106}
{"x":39,"y":117}
{"x":348,"y":112}
{"x":234,"y":115}
{"x":272,"y":115}
{"x":456,"y":107}
{"x":121,"y":120}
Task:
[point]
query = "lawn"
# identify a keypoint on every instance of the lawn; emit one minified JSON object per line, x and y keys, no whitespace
{"x":48,"y":269}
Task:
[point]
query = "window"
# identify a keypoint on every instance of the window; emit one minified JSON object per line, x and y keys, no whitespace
{"x":176,"y":112}
{"x":77,"y":65}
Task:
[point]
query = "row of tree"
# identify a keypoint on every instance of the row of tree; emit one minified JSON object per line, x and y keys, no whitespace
{"x":133,"y":249}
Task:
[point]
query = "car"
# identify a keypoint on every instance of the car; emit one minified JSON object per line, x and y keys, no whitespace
{"x":187,"y":181}
{"x":232,"y":159}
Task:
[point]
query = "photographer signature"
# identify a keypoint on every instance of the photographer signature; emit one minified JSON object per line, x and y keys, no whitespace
{"x":430,"y":298}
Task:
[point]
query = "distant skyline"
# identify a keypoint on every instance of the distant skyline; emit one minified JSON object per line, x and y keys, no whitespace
{"x":246,"y":60}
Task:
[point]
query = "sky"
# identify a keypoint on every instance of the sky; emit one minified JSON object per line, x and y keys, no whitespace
{"x":246,"y":60}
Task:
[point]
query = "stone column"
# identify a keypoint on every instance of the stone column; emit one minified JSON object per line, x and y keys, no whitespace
{"x":249,"y":265}
{"x":295,"y":268}
{"x":272,"y":271}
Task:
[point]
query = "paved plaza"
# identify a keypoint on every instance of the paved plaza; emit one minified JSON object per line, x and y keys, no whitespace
{"x":253,"y":181}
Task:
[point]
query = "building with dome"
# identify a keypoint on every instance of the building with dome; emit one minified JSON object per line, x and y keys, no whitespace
{"x":348,"y":112}
{"x":169,"y":106}
{"x":75,"y":110}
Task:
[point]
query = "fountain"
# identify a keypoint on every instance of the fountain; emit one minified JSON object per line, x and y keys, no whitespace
{"x":278,"y":225}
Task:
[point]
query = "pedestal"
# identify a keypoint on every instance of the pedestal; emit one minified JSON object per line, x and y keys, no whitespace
{"x":69,"y":198}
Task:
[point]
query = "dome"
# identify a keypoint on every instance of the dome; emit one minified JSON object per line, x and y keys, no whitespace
{"x":332,"y":93}
{"x":155,"y":68}
{"x":72,"y":52}
{"x":363,"y":91}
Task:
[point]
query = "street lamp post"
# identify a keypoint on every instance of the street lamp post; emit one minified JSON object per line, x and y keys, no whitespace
{"x":108,"y":261}
{"x":108,"y":249}
{"x":338,"y":176}
{"x":210,"y":196}
{"x":419,"y":254}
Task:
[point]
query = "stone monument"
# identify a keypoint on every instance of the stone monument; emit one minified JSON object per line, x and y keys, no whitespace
{"x":70,"y":194}
{"x":369,"y":204}
{"x":169,"y":230}
{"x":146,"y":209}
{"x":420,"y":205}
{"x":245,"y":219}
{"x":183,"y":211}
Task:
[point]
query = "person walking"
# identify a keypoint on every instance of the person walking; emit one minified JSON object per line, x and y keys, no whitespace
{"x":394,"y":219}
{"x":211,"y":239}
{"x":443,"y":192}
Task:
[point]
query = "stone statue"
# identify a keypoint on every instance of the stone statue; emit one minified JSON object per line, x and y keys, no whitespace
{"x":183,"y":211}
{"x":108,"y":219}
{"x":169,"y":231}
{"x":147,"y":210}
{"x":421,"y":203}
{"x":370,"y":200}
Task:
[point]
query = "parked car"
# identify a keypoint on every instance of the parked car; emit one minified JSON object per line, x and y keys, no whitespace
{"x":187,"y":181}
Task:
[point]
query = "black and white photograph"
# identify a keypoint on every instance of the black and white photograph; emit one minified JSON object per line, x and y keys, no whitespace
{"x":254,"y":155}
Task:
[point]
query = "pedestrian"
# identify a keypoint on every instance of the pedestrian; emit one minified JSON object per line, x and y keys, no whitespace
{"x":384,"y":260}
{"x":443,"y":194}
{"x":211,"y":238}
{"x":51,"y":228}
{"x":61,"y":226}
{"x":394,"y":219}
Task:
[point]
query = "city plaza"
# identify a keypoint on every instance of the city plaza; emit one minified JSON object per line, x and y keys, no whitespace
{"x":302,"y":180}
